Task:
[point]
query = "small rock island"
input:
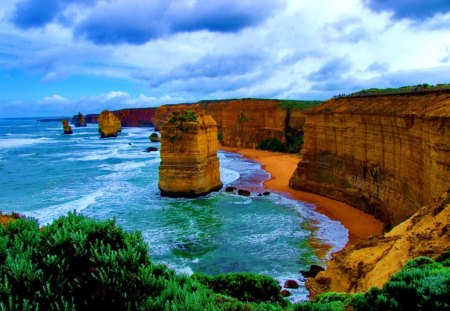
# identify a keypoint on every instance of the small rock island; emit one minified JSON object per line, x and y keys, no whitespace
{"x":189,"y":163}
{"x":66,"y":127}
{"x":108,"y":124}
{"x":79,"y":120}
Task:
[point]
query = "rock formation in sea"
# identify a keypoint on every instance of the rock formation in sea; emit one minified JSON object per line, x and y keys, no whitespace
{"x":372,"y":262}
{"x":78,"y":120}
{"x":154,"y":138}
{"x":108,"y":124}
{"x":189,"y":163}
{"x":386,"y":155}
{"x":67,"y":128}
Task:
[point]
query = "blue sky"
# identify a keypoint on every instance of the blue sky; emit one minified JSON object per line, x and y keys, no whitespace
{"x":58,"y":57}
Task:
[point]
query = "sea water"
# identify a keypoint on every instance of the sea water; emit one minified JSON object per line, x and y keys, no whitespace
{"x":45,"y":174}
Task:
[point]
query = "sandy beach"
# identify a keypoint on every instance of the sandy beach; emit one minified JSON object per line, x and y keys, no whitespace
{"x":280,"y":166}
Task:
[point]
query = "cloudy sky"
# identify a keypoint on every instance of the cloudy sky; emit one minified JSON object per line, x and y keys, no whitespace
{"x":58,"y":57}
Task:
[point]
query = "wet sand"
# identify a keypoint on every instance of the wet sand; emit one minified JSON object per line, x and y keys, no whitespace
{"x":281,"y":166}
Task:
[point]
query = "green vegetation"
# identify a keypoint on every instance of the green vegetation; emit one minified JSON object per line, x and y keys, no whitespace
{"x":242,"y":118}
{"x":404,"y":89}
{"x":182,"y":116}
{"x":299,"y":104}
{"x":272,"y":144}
{"x":77,"y":263}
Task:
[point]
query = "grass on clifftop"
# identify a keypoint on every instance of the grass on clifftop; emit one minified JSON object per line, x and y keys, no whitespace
{"x":400,"y":90}
{"x":77,"y":263}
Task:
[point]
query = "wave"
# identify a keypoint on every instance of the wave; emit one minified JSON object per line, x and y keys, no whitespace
{"x":126,"y":166}
{"x":23,"y":142}
{"x":48,"y":214}
{"x":228,"y":176}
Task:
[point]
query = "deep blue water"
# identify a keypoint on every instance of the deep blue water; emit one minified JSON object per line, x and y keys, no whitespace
{"x":45,"y":174}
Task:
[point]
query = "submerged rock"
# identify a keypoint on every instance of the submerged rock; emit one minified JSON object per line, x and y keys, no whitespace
{"x":230,"y":189}
{"x":154,"y":138}
{"x":150,"y":149}
{"x":189,"y":163}
{"x":244,"y":192}
{"x":291,"y":284}
{"x":285,"y":293}
{"x":108,"y":124}
{"x":66,"y":127}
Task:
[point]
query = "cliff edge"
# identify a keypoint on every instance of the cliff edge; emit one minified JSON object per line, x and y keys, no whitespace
{"x":372,"y":262}
{"x":386,"y":155}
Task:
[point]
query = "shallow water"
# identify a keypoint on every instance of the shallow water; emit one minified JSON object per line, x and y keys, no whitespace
{"x":45,"y":174}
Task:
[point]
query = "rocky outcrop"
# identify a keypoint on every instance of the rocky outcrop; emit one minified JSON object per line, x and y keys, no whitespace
{"x":108,"y":124}
{"x":247,"y":122}
{"x":189,"y":163}
{"x":66,"y":127}
{"x":386,"y":155}
{"x":154,"y":138}
{"x":372,"y":262}
{"x":133,"y":117}
{"x":78,"y":120}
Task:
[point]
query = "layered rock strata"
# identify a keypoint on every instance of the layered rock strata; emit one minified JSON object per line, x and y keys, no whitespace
{"x":66,"y":127}
{"x":135,"y":117}
{"x":189,"y":163}
{"x":386,"y":155}
{"x":246,"y":122}
{"x":108,"y":124}
{"x":371,"y":263}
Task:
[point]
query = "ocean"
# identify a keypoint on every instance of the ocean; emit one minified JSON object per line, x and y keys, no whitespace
{"x":45,"y":174}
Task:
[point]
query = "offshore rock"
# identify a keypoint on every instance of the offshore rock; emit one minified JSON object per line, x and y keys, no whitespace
{"x":189,"y":163}
{"x":108,"y":124}
{"x":66,"y":127}
{"x":372,"y":262}
{"x":154,"y":138}
{"x":78,"y":120}
{"x":386,"y":155}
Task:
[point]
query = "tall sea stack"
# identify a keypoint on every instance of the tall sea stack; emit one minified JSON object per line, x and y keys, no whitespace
{"x":108,"y":124}
{"x":189,"y":163}
{"x":66,"y":127}
{"x":78,"y":120}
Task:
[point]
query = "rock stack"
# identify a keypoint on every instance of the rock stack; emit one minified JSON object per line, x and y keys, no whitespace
{"x":78,"y":120}
{"x":189,"y":163}
{"x":66,"y":127}
{"x":108,"y":124}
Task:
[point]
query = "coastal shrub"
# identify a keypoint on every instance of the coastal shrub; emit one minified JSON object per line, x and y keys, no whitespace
{"x":77,"y":263}
{"x":272,"y":144}
{"x":243,"y":286}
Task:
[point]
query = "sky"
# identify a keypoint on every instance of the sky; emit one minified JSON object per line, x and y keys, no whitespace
{"x":59,"y":57}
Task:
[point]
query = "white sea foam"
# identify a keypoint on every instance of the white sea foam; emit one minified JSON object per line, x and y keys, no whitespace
{"x":125,"y":166}
{"x":22,"y":142}
{"x":228,"y":176}
{"x":46,"y":215}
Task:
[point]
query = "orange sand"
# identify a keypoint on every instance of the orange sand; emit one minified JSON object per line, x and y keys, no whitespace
{"x":281,"y":166}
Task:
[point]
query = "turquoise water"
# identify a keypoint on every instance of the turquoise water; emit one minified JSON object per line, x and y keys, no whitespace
{"x":44,"y":174}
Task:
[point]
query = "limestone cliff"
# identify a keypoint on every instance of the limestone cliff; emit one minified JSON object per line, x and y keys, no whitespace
{"x":66,"y":127}
{"x":108,"y":124}
{"x":372,"y":262}
{"x":189,"y":163}
{"x":246,"y":122}
{"x":133,"y":117}
{"x":78,"y":120}
{"x":387,"y":155}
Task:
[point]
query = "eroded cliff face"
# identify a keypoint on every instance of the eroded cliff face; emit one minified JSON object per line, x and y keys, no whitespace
{"x":245,"y":122}
{"x":372,"y":262}
{"x":108,"y":124}
{"x":135,"y":117}
{"x":387,"y":155}
{"x":189,"y":163}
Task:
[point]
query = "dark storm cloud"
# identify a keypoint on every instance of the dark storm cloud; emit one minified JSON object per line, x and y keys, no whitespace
{"x":418,"y":10}
{"x":139,"y":21}
{"x":38,"y":13}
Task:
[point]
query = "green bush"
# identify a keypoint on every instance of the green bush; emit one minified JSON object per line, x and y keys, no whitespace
{"x":272,"y":144}
{"x":243,"y":286}
{"x":77,"y":263}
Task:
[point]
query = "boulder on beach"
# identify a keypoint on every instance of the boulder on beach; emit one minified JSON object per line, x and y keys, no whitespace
{"x":291,"y":284}
{"x":244,"y":192}
{"x":66,"y":127}
{"x":108,"y":124}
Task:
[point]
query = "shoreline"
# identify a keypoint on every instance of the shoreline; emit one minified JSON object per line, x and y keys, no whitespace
{"x":281,"y":166}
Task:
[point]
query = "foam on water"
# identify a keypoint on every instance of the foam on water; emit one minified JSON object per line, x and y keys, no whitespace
{"x":23,"y":142}
{"x":46,"y":215}
{"x":228,"y":176}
